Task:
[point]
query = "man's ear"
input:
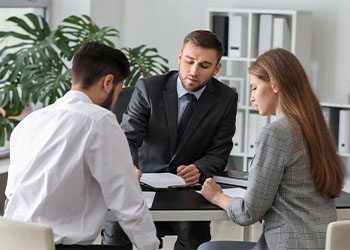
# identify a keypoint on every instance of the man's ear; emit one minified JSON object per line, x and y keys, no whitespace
{"x":217,"y":68}
{"x":108,"y":82}
{"x":179,"y":57}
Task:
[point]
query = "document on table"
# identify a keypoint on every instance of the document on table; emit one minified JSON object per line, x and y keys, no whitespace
{"x":233,"y":192}
{"x":162,"y":180}
{"x":149,"y":197}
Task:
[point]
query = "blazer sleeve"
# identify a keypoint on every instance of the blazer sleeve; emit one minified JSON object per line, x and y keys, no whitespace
{"x":265,"y":176}
{"x":135,"y":119}
{"x":215,"y":158}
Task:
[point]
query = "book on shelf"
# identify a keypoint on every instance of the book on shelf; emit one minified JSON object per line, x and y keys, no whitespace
{"x":220,"y":28}
{"x":232,"y":177}
{"x":281,"y":33}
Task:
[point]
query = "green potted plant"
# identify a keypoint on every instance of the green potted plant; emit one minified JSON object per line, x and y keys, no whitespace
{"x":34,"y":70}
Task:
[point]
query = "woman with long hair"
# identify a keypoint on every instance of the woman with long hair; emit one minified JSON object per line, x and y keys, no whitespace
{"x":296,"y":172}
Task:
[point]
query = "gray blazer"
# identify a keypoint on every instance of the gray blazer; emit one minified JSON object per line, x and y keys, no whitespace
{"x":281,"y":192}
{"x":150,"y":125}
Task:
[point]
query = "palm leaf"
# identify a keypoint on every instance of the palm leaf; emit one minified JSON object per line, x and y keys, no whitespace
{"x":144,"y":62}
{"x":77,"y":30}
{"x":34,"y":69}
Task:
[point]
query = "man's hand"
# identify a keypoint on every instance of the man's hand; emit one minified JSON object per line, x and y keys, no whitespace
{"x":189,"y":173}
{"x":138,"y":173}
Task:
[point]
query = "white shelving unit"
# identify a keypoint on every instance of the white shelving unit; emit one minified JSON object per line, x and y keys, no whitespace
{"x":234,"y":69}
{"x":345,"y":156}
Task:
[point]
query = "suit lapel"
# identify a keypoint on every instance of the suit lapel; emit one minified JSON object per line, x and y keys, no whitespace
{"x":202,"y":107}
{"x":170,"y":99}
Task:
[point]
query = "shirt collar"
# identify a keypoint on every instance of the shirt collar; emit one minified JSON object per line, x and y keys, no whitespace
{"x":181,"y":91}
{"x":78,"y":95}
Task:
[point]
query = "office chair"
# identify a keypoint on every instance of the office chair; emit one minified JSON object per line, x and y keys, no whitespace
{"x":18,"y":235}
{"x":337,"y":237}
{"x":122,"y":102}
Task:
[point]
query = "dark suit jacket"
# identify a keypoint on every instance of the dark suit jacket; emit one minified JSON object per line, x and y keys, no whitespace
{"x":150,"y":125}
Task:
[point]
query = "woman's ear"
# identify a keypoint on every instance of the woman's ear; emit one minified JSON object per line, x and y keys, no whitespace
{"x":274,"y":88}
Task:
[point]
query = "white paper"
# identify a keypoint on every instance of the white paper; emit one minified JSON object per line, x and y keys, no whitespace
{"x":232,"y":192}
{"x":149,"y":197}
{"x":161,"y":180}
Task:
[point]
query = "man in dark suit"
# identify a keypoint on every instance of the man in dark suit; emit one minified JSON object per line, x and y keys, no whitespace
{"x":183,"y":122}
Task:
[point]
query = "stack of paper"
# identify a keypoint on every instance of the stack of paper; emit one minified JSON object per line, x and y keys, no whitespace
{"x":232,"y":177}
{"x":162,"y":180}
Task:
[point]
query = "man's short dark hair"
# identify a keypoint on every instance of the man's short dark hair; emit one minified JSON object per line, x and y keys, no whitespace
{"x":206,"y":39}
{"x":95,"y":60}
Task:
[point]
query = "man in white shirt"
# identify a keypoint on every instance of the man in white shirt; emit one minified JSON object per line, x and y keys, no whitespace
{"x":70,"y":161}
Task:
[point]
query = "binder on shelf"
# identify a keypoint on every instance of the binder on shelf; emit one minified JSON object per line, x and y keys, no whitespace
{"x":281,"y":33}
{"x":331,"y":116}
{"x":256,"y":123}
{"x":235,"y":83}
{"x":235,"y":38}
{"x":252,"y":122}
{"x":232,"y":177}
{"x":344,"y":132}
{"x":238,"y":137}
{"x":249,"y":163}
{"x":220,"y":28}
{"x":265,"y":33}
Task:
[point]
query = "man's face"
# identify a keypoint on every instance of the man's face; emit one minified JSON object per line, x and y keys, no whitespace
{"x":196,"y":66}
{"x":112,"y":96}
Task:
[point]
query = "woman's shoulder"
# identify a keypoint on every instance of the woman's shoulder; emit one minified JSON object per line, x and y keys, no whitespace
{"x":280,"y":125}
{"x":278,"y":131}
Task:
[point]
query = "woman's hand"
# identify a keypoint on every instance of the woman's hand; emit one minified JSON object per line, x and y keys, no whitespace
{"x":213,"y":193}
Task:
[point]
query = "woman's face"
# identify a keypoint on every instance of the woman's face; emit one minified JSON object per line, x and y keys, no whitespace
{"x":265,"y":96}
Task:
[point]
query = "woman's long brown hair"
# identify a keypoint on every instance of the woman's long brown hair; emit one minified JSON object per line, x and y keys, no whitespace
{"x":301,"y":107}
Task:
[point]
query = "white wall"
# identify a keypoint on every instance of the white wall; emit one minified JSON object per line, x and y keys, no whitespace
{"x":164,"y":23}
{"x":111,"y":16}
{"x":60,"y":9}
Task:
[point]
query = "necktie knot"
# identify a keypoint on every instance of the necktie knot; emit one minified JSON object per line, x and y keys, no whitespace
{"x":190,"y":98}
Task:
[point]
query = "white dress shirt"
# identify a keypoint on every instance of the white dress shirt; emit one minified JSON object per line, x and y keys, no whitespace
{"x":69,"y":163}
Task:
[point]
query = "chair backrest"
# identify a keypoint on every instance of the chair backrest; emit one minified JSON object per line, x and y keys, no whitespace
{"x":338,"y":235}
{"x":122,"y":102}
{"x":18,"y":235}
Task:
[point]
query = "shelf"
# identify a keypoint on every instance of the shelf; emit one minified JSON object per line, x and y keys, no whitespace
{"x":335,"y":105}
{"x":245,"y":47}
{"x":238,"y":59}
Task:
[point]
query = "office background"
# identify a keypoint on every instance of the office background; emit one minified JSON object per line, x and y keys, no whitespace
{"x":164,"y":23}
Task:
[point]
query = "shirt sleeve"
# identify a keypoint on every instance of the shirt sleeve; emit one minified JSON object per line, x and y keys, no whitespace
{"x":109,"y":160}
{"x":264,"y":179}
